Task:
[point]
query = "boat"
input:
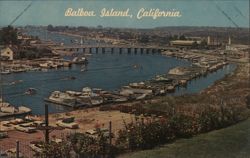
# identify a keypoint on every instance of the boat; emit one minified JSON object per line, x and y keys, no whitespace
{"x":18,"y":70}
{"x":83,"y":69}
{"x":96,"y":100}
{"x":64,"y":99}
{"x":163,"y":79}
{"x":35,"y":69}
{"x":15,"y":82}
{"x":69,"y":78}
{"x":88,"y":54}
{"x":80,"y":60}
{"x":7,"y":110}
{"x":45,"y":65}
{"x":5,"y":72}
{"x":31,"y":91}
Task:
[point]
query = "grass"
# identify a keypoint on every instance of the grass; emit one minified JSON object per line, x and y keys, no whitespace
{"x":231,"y":142}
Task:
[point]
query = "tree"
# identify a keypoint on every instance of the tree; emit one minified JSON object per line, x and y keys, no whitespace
{"x":195,"y":44}
{"x":248,"y":101}
{"x":8,"y":35}
{"x":144,"y":39}
{"x":203,"y":43}
{"x":182,"y":37}
{"x":50,"y":27}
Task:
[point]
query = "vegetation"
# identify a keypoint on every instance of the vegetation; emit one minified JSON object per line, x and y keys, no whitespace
{"x":144,"y":133}
{"x":223,"y":104}
{"x":34,"y":52}
{"x":78,"y":145}
{"x":8,"y":35}
{"x":149,"y":133}
{"x":55,"y":150}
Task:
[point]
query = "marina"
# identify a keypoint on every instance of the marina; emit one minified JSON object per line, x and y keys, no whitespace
{"x":73,"y":78}
{"x":165,"y":85}
{"x":159,"y":85}
{"x":8,"y":111}
{"x":98,"y":70}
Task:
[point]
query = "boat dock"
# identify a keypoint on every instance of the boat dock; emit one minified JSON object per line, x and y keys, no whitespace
{"x":159,"y":85}
{"x":8,"y":111}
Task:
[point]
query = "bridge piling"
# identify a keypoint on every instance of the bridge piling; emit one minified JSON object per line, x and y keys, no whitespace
{"x":135,"y":50}
{"x":141,"y":50}
{"x":153,"y":51}
{"x":159,"y":51}
{"x":129,"y":50}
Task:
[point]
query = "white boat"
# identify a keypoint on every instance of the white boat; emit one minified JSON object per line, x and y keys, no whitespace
{"x":61,"y":98}
{"x":7,"y":110}
{"x":5,"y":72}
{"x":45,"y":65}
{"x":96,"y":100}
{"x":80,"y":60}
{"x":18,"y":70}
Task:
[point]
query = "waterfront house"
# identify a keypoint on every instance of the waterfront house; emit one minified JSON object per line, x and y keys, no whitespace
{"x":8,"y":53}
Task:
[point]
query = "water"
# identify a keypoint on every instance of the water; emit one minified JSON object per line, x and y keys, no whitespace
{"x":199,"y":84}
{"x":107,"y":71}
{"x":59,"y":38}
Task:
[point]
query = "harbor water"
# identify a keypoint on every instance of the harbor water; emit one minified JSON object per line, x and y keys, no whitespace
{"x":105,"y":70}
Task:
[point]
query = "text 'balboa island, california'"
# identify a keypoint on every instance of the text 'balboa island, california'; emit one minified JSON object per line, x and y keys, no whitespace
{"x":154,"y":13}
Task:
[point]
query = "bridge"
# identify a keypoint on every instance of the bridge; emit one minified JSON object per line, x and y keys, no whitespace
{"x":112,"y":48}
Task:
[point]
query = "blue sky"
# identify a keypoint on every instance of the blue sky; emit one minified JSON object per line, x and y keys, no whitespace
{"x":194,"y":13}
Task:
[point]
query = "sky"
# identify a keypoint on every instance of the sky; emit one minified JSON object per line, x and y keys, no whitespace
{"x":221,"y":13}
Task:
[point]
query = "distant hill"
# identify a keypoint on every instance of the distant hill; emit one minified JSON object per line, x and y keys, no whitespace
{"x":238,"y":35}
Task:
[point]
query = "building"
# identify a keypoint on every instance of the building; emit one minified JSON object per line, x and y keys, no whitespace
{"x":8,"y":53}
{"x":184,"y":43}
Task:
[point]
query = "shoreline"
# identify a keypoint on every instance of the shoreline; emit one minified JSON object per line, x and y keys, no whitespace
{"x":89,"y":118}
{"x":239,"y":103}
{"x":159,"y":85}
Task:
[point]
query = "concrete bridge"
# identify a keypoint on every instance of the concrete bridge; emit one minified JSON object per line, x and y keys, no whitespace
{"x":112,"y":48}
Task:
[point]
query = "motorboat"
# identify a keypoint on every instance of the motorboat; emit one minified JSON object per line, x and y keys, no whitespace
{"x":31,"y":91}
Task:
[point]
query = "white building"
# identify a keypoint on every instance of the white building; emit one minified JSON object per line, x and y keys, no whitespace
{"x":7,"y":53}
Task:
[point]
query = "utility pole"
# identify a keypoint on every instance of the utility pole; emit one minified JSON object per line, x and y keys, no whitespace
{"x":47,"y":129}
{"x":46,"y":123}
{"x":110,"y":137}
{"x":110,"y":133}
{"x":17,"y":149}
